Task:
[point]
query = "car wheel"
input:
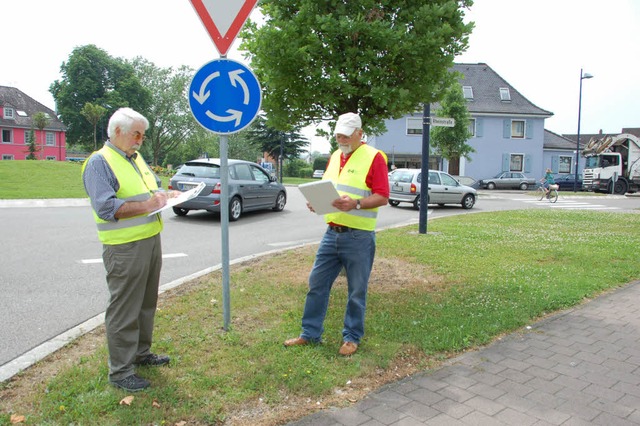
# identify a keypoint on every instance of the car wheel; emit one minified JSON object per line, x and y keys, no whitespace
{"x":416,"y":203}
{"x":394,"y":203}
{"x":491,"y":185}
{"x":524,"y":186}
{"x":281,"y":200}
{"x":235,"y":209}
{"x":468,"y":201}
{"x":180,"y":211}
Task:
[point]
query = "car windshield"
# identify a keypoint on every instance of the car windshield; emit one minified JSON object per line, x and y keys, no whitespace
{"x":591,"y":162}
{"x":498,"y":175}
{"x":209,"y":171}
{"x":401,"y":176}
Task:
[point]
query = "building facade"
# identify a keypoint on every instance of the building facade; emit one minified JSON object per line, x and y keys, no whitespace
{"x":17,"y":128}
{"x":508,"y":131}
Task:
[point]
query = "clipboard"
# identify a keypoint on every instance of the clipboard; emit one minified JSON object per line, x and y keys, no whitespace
{"x":320,"y":195}
{"x":184,"y":196}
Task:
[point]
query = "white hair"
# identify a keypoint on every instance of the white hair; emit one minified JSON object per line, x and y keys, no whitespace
{"x":124,"y":119}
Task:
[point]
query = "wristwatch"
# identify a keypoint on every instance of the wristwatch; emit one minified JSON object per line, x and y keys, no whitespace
{"x":358,"y":205}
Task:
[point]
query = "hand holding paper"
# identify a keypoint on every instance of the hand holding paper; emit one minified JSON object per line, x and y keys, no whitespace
{"x":320,"y":196}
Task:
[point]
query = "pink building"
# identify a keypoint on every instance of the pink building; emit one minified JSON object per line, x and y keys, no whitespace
{"x":17,"y":127}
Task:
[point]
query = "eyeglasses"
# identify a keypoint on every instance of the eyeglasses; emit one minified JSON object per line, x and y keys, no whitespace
{"x":138,"y":136}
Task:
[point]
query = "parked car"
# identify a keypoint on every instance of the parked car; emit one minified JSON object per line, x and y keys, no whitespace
{"x":467,"y":180}
{"x":251,"y":187}
{"x":404,"y":186}
{"x":565,"y":182}
{"x":317,"y":174}
{"x":508,"y":180}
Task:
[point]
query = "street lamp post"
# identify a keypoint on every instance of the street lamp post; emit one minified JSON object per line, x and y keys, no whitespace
{"x":582,"y":77}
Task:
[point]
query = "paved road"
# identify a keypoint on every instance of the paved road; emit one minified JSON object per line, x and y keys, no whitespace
{"x":578,"y":367}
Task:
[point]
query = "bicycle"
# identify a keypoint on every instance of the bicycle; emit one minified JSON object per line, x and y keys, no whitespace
{"x":552,"y":196}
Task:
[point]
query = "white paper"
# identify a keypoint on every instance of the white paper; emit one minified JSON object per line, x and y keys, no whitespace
{"x":184,"y":196}
{"x":320,"y":195}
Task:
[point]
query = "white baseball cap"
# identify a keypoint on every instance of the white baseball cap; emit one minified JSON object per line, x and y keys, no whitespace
{"x":348,"y":123}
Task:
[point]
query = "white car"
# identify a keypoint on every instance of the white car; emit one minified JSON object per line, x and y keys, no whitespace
{"x":404,"y":187}
{"x":317,"y":174}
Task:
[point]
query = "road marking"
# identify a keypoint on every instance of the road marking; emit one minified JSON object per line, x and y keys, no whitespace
{"x":570,"y":205}
{"x":164,"y":256}
{"x":290,"y":243}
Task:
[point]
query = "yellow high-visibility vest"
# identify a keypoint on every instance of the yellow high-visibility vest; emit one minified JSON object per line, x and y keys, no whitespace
{"x":133,"y":187}
{"x":352,"y":182}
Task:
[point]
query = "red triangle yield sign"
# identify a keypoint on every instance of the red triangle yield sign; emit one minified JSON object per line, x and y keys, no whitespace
{"x":223,"y":19}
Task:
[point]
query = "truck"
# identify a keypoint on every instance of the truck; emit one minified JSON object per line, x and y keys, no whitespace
{"x":612,"y":164}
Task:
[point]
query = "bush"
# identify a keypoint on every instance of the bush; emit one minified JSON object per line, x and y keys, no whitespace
{"x":305,"y":172}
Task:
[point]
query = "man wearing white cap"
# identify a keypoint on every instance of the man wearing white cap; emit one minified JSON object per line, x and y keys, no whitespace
{"x":361,"y":178}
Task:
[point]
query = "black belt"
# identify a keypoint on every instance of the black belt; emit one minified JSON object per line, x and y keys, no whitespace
{"x":340,"y":229}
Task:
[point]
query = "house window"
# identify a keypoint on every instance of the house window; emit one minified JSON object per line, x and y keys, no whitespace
{"x":50,"y":139}
{"x":517,"y":129}
{"x":8,"y":113}
{"x":516,"y":163}
{"x":467,"y":91}
{"x":28,"y":136}
{"x":414,"y":126}
{"x":505,"y":95}
{"x":7,"y":156}
{"x":564,"y":164}
{"x":7,"y":135}
{"x":472,"y":127}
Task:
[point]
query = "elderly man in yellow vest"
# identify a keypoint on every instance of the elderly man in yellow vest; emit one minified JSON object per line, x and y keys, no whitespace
{"x":123,"y":191}
{"x":361,"y":178}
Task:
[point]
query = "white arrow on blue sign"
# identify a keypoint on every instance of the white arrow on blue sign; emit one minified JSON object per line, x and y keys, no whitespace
{"x":224,"y":96}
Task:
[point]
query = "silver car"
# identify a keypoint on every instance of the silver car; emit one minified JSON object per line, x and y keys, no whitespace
{"x":251,"y":187}
{"x":508,"y":180}
{"x":404,"y":186}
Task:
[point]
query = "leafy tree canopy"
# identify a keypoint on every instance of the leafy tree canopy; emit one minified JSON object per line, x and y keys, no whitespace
{"x":270,"y":140}
{"x":450,"y":142}
{"x":170,"y":120}
{"x":380,"y":58}
{"x":91,"y":75}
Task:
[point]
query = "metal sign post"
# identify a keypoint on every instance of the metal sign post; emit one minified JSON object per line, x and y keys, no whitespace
{"x":424,"y":184}
{"x":224,"y":97}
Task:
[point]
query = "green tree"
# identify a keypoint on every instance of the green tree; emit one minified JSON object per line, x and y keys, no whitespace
{"x":32,"y":145}
{"x":278,"y":144}
{"x":91,"y":75}
{"x":93,"y":113}
{"x":41,"y":120}
{"x":380,"y":58}
{"x":451,"y":142}
{"x":170,"y":119}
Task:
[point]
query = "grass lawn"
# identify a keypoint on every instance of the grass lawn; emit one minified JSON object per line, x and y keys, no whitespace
{"x":470,"y":279}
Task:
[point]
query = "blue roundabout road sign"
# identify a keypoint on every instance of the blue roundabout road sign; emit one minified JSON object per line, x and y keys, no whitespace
{"x":224,"y":96}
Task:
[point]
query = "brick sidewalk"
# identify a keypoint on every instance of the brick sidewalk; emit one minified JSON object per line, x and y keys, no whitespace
{"x":577,"y":367}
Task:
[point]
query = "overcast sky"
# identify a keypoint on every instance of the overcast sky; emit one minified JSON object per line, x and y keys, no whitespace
{"x":538,"y":47}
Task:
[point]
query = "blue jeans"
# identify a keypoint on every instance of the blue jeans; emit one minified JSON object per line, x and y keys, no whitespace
{"x":354,"y":250}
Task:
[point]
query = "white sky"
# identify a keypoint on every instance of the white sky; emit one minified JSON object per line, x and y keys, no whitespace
{"x":538,"y":47}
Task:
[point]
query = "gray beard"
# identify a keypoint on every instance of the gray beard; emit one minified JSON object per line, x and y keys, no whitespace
{"x":346,"y":149}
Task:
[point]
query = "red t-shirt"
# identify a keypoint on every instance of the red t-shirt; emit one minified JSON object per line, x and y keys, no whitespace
{"x":378,"y":176}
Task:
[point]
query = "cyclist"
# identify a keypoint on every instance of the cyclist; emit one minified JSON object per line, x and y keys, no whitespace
{"x":547,"y":180}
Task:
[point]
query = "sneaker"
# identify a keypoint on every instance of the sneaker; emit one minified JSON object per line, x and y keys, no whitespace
{"x":152,"y":360}
{"x":132,"y":383}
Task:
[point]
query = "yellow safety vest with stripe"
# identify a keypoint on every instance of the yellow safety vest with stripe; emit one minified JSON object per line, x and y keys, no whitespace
{"x":352,"y":182}
{"x":133,"y":187}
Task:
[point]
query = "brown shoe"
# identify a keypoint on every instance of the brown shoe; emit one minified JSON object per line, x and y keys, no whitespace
{"x":296,"y":341}
{"x":348,"y":349}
